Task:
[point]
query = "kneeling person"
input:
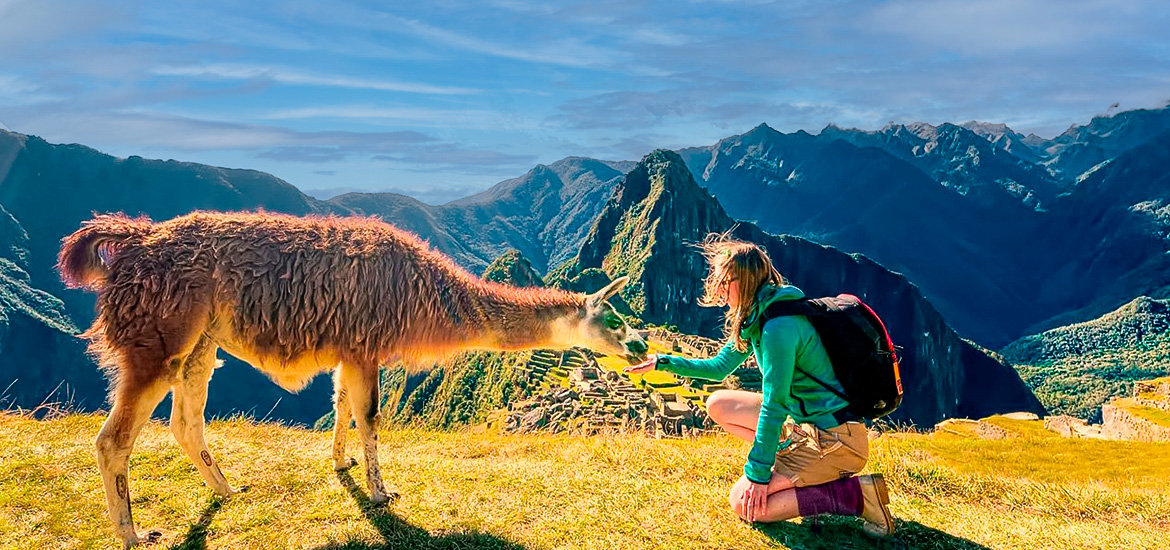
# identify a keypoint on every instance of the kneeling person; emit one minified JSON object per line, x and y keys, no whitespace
{"x":806,"y":447}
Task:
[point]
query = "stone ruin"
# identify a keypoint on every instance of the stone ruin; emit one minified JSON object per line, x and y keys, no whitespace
{"x":598,"y":401}
{"x":1120,"y":421}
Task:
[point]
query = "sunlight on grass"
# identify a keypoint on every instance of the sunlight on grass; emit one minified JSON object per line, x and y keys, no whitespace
{"x":464,"y":490}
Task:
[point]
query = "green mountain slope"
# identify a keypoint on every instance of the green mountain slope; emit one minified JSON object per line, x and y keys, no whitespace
{"x":1077,"y":368}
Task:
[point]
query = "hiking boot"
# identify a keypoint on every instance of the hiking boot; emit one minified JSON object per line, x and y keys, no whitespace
{"x":875,"y":510}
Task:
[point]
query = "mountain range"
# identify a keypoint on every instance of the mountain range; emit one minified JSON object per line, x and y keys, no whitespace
{"x":981,"y":230}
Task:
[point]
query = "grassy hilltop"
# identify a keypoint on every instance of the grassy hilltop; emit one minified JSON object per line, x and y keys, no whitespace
{"x":472,"y":490}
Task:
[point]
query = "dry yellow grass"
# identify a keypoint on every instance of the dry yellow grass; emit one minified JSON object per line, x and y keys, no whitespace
{"x":483,"y":490}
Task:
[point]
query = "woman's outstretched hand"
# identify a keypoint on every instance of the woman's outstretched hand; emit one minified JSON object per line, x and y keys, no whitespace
{"x":648,"y":365}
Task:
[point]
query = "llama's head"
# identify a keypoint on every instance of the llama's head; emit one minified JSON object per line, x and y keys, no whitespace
{"x":605,"y":330}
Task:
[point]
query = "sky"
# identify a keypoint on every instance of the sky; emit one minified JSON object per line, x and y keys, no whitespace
{"x":442,"y":99}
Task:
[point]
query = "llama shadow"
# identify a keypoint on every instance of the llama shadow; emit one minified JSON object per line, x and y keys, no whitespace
{"x":834,"y":532}
{"x":397,"y":533}
{"x":196,"y":537}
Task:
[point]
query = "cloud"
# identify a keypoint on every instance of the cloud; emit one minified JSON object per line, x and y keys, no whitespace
{"x":185,"y":133}
{"x":569,"y":52}
{"x":325,"y":172}
{"x":286,"y":76}
{"x":482,"y":119}
{"x":31,"y":24}
{"x":304,"y":153}
{"x":455,"y":156}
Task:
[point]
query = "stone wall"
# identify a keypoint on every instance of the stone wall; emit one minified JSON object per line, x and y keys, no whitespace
{"x":1120,"y":423}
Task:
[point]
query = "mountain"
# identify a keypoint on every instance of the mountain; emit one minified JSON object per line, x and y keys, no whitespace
{"x":1004,"y":138}
{"x":46,"y":192}
{"x":512,"y":268}
{"x":646,"y":231}
{"x":1076,"y":369}
{"x":544,"y":214}
{"x":1107,"y":239}
{"x":41,"y":359}
{"x":1080,"y":148}
{"x":864,"y":199}
{"x":965,"y":161}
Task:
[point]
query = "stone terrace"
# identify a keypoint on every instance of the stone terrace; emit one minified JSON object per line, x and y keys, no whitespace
{"x":582,"y":397}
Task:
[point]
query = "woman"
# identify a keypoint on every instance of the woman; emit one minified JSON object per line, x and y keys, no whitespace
{"x":812,"y":471}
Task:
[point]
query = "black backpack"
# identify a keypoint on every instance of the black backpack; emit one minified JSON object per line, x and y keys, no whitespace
{"x":859,"y":348}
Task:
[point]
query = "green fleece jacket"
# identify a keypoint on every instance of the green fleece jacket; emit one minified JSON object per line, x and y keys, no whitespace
{"x":780,"y":345}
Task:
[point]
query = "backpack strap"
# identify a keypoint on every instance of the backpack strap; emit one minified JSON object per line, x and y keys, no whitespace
{"x":787,"y":308}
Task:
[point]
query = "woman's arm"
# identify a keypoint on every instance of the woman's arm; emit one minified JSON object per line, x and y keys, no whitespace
{"x":777,"y":363}
{"x":714,"y":368}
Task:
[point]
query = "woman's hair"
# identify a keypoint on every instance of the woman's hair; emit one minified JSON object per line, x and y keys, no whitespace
{"x":728,"y":260}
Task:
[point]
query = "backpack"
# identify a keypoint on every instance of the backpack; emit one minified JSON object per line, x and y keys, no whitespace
{"x":859,"y":348}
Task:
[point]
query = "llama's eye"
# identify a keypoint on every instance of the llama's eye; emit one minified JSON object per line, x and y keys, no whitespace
{"x":613,"y":322}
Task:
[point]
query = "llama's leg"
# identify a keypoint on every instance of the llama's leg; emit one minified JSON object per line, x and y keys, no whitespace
{"x":134,"y":400}
{"x":341,"y":420}
{"x":361,"y":383}
{"x":189,"y":398}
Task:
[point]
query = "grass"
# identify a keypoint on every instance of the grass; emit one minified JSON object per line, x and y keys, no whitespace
{"x":482,"y":490}
{"x":1157,"y":416}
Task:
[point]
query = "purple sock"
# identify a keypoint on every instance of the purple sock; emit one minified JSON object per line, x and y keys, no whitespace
{"x":841,"y":497}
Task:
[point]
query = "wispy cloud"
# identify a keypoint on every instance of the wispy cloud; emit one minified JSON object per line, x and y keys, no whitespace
{"x":453,"y":155}
{"x":562,"y":51}
{"x":305,"y":153}
{"x":416,"y":116}
{"x":285,"y":76}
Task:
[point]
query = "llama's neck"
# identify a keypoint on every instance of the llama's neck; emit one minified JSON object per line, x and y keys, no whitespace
{"x":518,"y":319}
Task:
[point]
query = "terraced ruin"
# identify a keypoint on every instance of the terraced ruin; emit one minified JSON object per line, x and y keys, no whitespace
{"x":580,"y":391}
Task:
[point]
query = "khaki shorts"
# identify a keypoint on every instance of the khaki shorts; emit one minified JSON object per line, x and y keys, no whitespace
{"x":818,"y":456}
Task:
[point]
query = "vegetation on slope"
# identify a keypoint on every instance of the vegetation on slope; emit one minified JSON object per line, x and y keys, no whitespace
{"x":466,"y":490}
{"x":1078,"y":368}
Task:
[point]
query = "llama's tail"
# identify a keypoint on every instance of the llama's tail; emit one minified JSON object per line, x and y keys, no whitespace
{"x":86,"y":254}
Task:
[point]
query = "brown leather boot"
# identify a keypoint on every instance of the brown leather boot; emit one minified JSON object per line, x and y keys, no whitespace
{"x":879,"y":522}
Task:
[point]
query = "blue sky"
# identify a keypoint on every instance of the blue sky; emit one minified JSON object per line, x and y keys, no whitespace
{"x":441,"y":99}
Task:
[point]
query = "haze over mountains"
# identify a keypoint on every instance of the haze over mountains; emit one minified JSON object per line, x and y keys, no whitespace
{"x":1003,"y":234}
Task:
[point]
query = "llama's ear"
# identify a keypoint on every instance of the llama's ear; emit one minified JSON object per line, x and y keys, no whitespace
{"x":602,"y":295}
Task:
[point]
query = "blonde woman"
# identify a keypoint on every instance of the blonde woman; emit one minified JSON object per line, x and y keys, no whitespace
{"x":806,"y":448}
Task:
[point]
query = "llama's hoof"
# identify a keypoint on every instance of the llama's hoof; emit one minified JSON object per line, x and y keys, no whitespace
{"x":143,"y":539}
{"x":345,"y":464}
{"x":384,"y":499}
{"x":232,"y":491}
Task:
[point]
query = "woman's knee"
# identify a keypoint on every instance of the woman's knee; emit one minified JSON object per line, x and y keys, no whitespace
{"x":735,"y":498}
{"x":721,"y":404}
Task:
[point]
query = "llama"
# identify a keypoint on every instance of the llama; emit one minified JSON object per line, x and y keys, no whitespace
{"x":293,"y":297}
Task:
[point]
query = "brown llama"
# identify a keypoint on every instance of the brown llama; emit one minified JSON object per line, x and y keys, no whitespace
{"x":292,"y":297}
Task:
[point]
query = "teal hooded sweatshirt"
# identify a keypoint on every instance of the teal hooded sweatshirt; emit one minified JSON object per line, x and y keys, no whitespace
{"x":780,"y":345}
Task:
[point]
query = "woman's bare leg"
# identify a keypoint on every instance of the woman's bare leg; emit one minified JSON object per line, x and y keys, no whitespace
{"x":781,"y":499}
{"x":736,"y":411}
